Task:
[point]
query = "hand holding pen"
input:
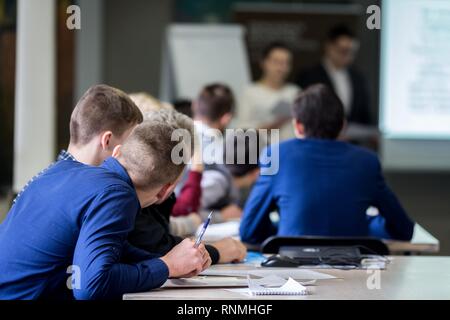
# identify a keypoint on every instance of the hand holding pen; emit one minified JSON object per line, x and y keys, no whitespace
{"x":203,"y":230}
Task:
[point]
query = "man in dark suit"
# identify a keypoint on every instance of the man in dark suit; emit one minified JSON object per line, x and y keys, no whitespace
{"x":337,"y":72}
{"x":323,"y":186}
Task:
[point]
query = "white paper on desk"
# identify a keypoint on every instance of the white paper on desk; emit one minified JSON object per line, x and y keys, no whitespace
{"x":277,"y":281}
{"x":289,"y":287}
{"x":270,"y":281}
{"x":295,"y":273}
{"x":218,"y":231}
{"x":205,"y":282}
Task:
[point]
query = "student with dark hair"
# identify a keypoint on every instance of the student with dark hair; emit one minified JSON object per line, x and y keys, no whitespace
{"x":336,"y":71}
{"x":102,"y":119}
{"x":223,"y":184}
{"x":183,"y":106}
{"x":324,"y":186}
{"x":213,"y":110}
{"x":265,"y":104}
{"x":215,"y":105}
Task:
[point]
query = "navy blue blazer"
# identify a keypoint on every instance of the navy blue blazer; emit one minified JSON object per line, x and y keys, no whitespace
{"x":322,"y":188}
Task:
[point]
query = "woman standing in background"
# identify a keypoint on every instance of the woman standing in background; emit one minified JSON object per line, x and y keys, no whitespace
{"x":266,"y":103}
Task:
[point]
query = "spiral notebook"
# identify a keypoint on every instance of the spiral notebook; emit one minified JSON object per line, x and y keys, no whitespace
{"x":290,"y":287}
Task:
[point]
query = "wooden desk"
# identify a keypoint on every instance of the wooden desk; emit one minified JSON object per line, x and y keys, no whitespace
{"x":422,"y":242}
{"x":405,"y":278}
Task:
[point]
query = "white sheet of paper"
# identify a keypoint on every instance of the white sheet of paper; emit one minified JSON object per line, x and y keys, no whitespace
{"x":243,"y":291}
{"x":272,"y":280}
{"x":219,"y":231}
{"x":277,"y":281}
{"x":295,"y":273}
{"x":205,"y":282}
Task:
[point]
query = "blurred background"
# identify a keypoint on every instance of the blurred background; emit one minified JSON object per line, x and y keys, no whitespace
{"x":127,"y":44}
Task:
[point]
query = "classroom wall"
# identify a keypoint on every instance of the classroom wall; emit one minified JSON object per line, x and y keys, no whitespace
{"x":120,"y":44}
{"x":133,"y":37}
{"x":368,"y":54}
{"x":426,"y":198}
{"x":89,"y":47}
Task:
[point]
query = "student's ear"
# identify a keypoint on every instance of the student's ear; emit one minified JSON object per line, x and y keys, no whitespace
{"x":164,"y":192}
{"x":226,"y":119}
{"x":299,"y":128}
{"x":117,"y":150}
{"x":105,"y":139}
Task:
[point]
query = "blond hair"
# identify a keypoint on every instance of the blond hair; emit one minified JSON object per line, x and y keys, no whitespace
{"x":147,"y":153}
{"x":147,"y":103}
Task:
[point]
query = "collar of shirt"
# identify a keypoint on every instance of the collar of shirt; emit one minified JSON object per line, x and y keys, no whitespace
{"x":330,"y":68}
{"x":65,"y":155}
{"x":341,"y":81}
{"x":113,"y":165}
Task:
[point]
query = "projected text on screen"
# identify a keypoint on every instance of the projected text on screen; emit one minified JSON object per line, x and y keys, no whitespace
{"x":415,"y":69}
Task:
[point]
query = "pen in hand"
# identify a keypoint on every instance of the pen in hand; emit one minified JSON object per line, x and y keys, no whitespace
{"x":202,"y":232}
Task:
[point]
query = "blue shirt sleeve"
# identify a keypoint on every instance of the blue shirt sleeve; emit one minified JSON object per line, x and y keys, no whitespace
{"x":132,"y":254}
{"x":256,"y":225}
{"x":102,"y":245}
{"x":394,"y":219}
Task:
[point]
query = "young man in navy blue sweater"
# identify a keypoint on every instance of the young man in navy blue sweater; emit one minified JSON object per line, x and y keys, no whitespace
{"x":75,"y":218}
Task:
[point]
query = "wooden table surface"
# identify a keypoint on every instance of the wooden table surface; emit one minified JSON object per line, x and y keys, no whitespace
{"x":421,"y":242}
{"x":406,"y":277}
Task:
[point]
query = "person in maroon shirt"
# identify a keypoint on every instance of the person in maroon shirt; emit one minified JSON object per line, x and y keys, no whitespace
{"x":188,"y":201}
